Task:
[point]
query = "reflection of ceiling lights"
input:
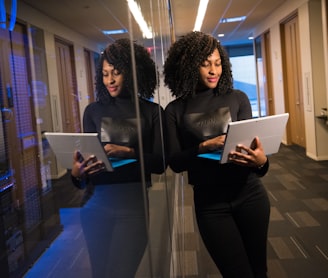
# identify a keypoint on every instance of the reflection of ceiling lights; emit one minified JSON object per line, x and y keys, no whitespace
{"x":137,"y":14}
{"x":232,"y":19}
{"x":12,"y":13}
{"x":200,"y":14}
{"x":114,"y":32}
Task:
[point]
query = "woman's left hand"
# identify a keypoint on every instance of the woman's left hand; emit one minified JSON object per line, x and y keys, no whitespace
{"x":253,"y":156}
{"x":113,"y":150}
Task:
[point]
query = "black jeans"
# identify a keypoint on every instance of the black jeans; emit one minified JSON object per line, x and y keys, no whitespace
{"x":115,"y":230}
{"x":235,"y":230}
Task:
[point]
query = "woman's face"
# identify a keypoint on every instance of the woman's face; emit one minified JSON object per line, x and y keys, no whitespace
{"x":112,"y":79}
{"x":210,"y":71}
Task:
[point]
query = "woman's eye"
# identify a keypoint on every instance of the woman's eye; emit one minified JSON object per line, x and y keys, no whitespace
{"x":116,"y":72}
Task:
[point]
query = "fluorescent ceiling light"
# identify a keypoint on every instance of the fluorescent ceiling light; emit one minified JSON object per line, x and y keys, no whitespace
{"x":232,"y":19}
{"x":137,"y":14}
{"x":114,"y":32}
{"x":220,"y":35}
{"x":200,"y":14}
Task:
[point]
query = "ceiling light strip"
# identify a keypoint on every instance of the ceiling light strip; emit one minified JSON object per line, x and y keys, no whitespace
{"x":137,"y":14}
{"x":200,"y":14}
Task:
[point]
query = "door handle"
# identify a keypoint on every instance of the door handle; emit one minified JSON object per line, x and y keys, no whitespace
{"x":7,"y":114}
{"x":10,"y":96}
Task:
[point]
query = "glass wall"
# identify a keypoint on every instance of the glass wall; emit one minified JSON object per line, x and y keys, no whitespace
{"x":244,"y":74}
{"x":111,"y":228}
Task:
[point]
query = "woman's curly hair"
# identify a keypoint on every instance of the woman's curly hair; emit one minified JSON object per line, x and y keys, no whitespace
{"x":185,"y":56}
{"x":119,"y":55}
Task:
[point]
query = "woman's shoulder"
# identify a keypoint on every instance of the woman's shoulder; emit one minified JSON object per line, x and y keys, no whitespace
{"x":91,"y":107}
{"x":96,"y":108}
{"x":150,"y":108}
{"x":175,"y":104}
{"x":235,"y":95}
{"x":238,"y":93}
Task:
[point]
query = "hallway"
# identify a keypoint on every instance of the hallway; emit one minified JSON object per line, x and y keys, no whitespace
{"x":297,"y":244}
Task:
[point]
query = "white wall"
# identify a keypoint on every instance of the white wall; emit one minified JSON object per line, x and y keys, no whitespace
{"x":317,"y":92}
{"x":312,"y":53}
{"x":324,"y":9}
{"x":51,"y":29}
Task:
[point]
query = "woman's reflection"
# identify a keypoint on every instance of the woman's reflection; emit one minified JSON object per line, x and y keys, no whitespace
{"x":114,"y":220}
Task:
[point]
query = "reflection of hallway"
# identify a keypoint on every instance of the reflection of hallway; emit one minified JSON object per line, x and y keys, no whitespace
{"x":297,"y":246}
{"x":68,"y":256}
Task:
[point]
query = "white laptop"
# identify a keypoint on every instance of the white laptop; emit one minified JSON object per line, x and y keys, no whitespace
{"x":269,"y":129}
{"x":64,"y":145}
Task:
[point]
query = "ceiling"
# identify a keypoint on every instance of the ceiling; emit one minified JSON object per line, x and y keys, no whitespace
{"x":89,"y":17}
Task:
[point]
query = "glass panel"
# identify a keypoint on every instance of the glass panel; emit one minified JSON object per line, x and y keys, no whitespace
{"x":110,"y":229}
{"x":244,"y":74}
{"x":260,"y":77}
{"x":23,"y":221}
{"x":42,"y":104}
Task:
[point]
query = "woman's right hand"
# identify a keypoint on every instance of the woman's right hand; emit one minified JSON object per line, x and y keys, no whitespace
{"x":212,"y":144}
{"x":84,"y":167}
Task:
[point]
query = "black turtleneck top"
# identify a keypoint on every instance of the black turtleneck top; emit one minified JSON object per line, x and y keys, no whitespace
{"x":192,"y":121}
{"x":116,"y":123}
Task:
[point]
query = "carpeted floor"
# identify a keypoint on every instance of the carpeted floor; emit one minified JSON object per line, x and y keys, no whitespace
{"x":298,"y":232}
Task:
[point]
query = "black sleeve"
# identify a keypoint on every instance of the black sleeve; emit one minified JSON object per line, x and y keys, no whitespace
{"x":88,"y":122}
{"x":245,"y":108}
{"x":154,"y":155}
{"x":263,"y":170}
{"x":79,"y":183}
{"x":178,"y":159}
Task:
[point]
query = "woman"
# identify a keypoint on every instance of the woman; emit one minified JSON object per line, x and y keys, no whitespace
{"x":231,"y":204}
{"x":114,"y":220}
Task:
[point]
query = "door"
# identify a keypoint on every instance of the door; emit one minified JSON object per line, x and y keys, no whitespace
{"x":20,"y":127}
{"x":69,"y":99}
{"x":293,"y":81}
{"x":268,"y":74}
{"x":89,"y":75}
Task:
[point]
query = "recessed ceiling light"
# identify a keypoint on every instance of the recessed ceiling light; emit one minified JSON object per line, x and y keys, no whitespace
{"x":220,"y":35}
{"x":232,"y":19}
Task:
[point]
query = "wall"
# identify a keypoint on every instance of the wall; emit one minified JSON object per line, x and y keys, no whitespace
{"x":52,"y":28}
{"x":318,"y":93}
{"x":324,"y":10}
{"x":313,"y":70}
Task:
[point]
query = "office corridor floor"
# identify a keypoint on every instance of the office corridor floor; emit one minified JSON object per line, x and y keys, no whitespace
{"x":298,"y":232}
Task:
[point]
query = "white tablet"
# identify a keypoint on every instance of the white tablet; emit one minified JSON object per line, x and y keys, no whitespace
{"x":64,"y":145}
{"x":269,"y":129}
